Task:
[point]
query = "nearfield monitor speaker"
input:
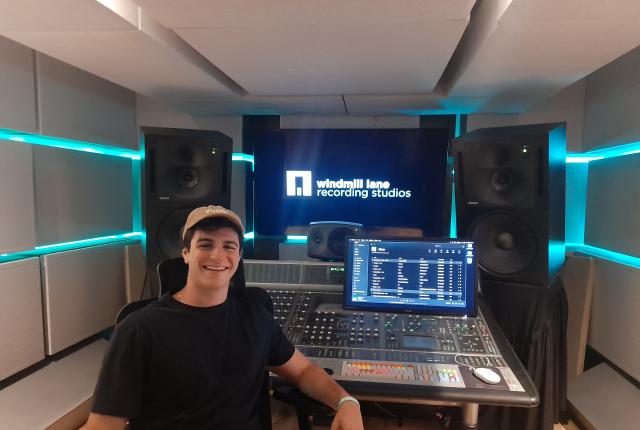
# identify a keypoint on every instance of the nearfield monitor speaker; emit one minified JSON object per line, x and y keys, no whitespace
{"x":509,"y":191}
{"x":326,"y":239}
{"x":183,"y":169}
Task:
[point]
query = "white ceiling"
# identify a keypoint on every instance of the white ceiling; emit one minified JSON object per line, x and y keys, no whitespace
{"x":332,"y":57}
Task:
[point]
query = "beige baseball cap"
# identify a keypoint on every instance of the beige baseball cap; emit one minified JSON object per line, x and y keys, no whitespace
{"x":204,"y":212}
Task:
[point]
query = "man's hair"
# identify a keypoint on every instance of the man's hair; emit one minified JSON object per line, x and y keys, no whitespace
{"x":211,"y":224}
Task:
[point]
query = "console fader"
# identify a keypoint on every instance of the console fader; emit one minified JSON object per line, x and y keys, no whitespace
{"x":388,"y":347}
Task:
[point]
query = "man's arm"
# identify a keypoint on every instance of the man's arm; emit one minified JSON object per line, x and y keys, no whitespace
{"x":314,"y":382}
{"x":104,"y":422}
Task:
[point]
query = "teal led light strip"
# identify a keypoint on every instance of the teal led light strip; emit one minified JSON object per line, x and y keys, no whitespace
{"x":249,"y":235}
{"x":605,"y":254}
{"x":296,"y":239}
{"x":239,"y":156}
{"x":453,"y":226}
{"x":68,"y":246}
{"x":75,"y":145}
{"x":599,"y":154}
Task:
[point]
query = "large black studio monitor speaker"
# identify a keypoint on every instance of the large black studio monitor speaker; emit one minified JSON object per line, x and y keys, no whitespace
{"x":326,"y":239}
{"x":183,"y":169}
{"x":510,"y":199}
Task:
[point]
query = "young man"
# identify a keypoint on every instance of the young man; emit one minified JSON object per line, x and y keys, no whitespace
{"x":196,"y":359}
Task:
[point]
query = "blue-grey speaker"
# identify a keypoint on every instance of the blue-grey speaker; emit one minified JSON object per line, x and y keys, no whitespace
{"x":326,"y":239}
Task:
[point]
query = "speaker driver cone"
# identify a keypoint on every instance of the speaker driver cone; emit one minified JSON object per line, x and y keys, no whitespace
{"x":506,"y":244}
{"x":188,"y":177}
{"x":169,"y":240}
{"x":336,"y":240}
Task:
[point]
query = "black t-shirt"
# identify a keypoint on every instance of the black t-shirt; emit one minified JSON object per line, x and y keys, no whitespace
{"x":175,"y":366}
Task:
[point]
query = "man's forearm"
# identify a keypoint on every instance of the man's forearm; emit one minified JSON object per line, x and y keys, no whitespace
{"x":104,"y":422}
{"x":315,"y":383}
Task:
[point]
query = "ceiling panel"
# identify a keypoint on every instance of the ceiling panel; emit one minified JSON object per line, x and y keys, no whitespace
{"x":291,"y":60}
{"x":274,"y":13}
{"x":66,"y":15}
{"x":130,"y":58}
{"x":292,"y":47}
{"x":542,"y":46}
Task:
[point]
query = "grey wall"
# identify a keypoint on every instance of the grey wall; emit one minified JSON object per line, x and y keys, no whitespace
{"x":17,"y":104}
{"x":613,"y":205}
{"x":17,"y":215}
{"x":611,"y":114}
{"x":566,"y":106}
{"x":51,"y":195}
{"x":74,"y":104}
{"x":80,"y":195}
{"x":612,"y":117}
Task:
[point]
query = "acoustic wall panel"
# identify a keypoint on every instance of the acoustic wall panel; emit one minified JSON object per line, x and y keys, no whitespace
{"x":134,"y":268}
{"x":77,"y":105}
{"x":18,"y":101}
{"x":17,"y":214}
{"x":613,"y":328}
{"x":577,"y":275}
{"x":80,"y":195}
{"x":611,"y":116}
{"x":83,"y":291}
{"x":21,"y":336}
{"x":613,"y":205}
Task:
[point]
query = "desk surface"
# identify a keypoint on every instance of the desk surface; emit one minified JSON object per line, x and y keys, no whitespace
{"x":515,"y":389}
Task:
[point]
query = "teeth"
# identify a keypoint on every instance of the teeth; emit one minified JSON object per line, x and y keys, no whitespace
{"x":216,"y":268}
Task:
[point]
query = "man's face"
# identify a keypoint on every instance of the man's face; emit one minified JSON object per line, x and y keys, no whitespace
{"x":213,"y":257}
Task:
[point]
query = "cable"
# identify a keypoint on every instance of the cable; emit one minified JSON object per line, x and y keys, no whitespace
{"x":391,"y":414}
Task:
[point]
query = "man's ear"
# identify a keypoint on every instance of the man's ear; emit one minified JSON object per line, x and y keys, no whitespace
{"x":185,"y":255}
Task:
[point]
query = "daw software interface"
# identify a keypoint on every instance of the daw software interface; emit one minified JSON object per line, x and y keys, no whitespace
{"x":408,"y":275}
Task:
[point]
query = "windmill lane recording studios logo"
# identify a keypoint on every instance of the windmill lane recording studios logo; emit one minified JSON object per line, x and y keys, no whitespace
{"x":300,"y":184}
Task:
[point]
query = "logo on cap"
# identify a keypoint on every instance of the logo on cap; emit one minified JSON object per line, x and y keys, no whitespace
{"x":214,"y":210}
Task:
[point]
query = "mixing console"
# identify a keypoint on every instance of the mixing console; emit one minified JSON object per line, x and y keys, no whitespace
{"x":387,"y":347}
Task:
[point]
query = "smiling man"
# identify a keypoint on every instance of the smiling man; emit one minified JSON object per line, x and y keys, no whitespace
{"x":196,"y":359}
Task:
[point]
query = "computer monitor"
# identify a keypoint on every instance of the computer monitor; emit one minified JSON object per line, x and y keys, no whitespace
{"x":421,"y":275}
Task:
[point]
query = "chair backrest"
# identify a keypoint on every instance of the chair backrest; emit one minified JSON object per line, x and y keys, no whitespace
{"x":131,"y":307}
{"x":172,"y":275}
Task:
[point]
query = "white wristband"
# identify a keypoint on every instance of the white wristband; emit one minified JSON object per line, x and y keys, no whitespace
{"x":347,"y":399}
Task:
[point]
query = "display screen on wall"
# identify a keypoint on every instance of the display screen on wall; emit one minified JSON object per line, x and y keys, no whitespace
{"x":379,"y":178}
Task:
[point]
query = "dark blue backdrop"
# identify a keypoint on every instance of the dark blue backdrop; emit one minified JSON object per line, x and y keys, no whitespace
{"x":413,"y":159}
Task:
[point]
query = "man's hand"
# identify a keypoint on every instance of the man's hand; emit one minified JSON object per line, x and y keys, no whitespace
{"x":348,"y":417}
{"x":315,"y":383}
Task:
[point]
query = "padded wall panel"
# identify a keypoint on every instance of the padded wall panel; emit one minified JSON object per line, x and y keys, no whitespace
{"x":17,"y":214}
{"x":611,"y":116}
{"x":77,"y":105}
{"x":21,"y":337}
{"x":613,"y":328}
{"x":577,"y":276}
{"x":80,"y":195}
{"x":134,"y":269}
{"x":83,"y":291}
{"x":613,"y":205}
{"x":18,"y":101}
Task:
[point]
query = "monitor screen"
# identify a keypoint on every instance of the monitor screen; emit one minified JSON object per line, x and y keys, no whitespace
{"x":378,"y":178}
{"x":411,"y":275}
